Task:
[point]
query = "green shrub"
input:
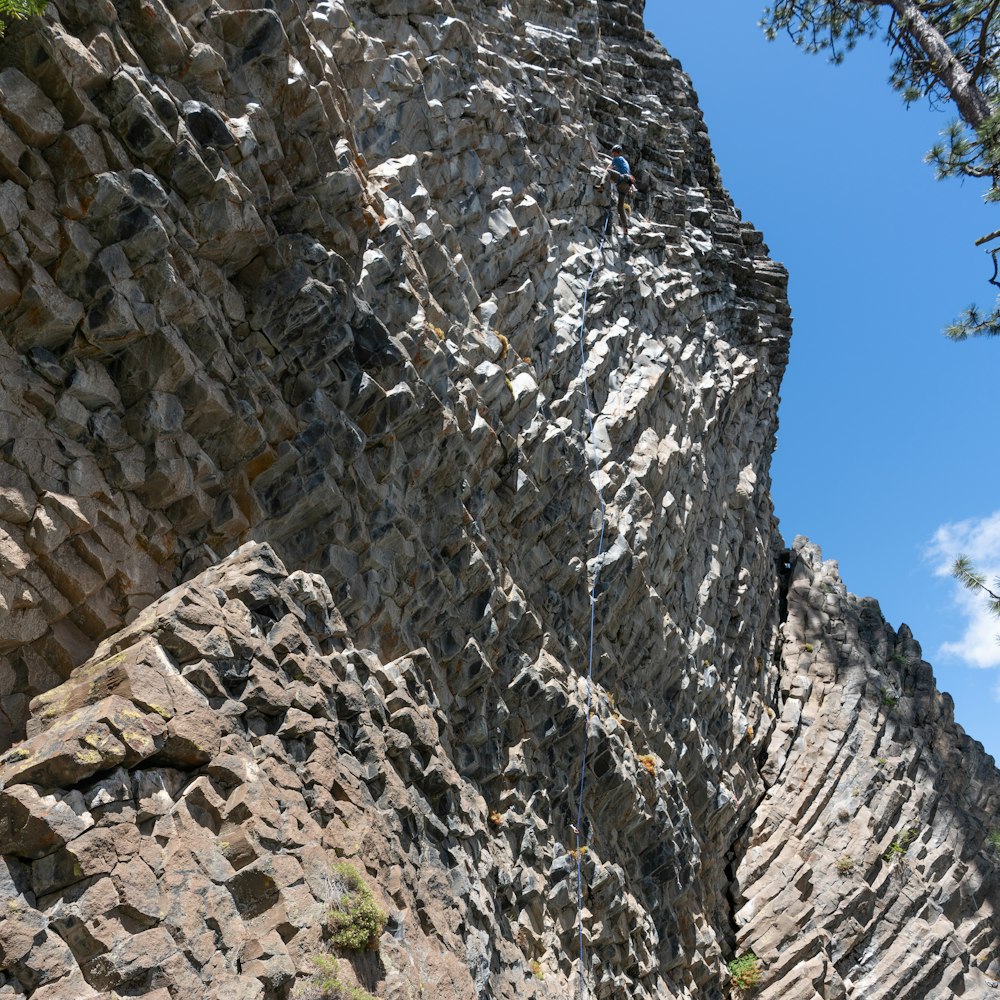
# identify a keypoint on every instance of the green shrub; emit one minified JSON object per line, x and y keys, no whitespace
{"x":845,"y":864}
{"x":895,"y":850}
{"x":326,"y":984}
{"x":900,"y":845}
{"x":355,"y":921}
{"x":17,"y":10}
{"x":993,"y":840}
{"x":745,"y":972}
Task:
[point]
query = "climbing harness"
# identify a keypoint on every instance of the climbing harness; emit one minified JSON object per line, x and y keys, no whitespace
{"x":593,"y":597}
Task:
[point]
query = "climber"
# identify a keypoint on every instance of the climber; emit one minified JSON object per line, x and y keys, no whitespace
{"x":620,"y":175}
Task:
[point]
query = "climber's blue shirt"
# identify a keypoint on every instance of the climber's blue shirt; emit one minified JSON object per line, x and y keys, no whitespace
{"x":620,"y":164}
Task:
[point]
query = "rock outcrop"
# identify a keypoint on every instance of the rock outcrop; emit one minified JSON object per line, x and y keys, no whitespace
{"x":172,"y":820}
{"x":869,"y":870}
{"x":170,"y":827}
{"x":307,"y":278}
{"x":311,"y":275}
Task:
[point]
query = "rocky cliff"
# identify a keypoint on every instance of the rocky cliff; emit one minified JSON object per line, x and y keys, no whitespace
{"x":868,"y":870}
{"x":308,"y":279}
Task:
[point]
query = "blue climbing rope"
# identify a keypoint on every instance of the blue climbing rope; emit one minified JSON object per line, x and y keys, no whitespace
{"x":593,"y":597}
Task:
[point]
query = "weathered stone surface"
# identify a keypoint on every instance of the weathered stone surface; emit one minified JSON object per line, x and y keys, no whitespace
{"x":33,"y":823}
{"x":876,"y":819}
{"x":95,"y":737}
{"x":28,"y":110}
{"x":191,"y":873}
{"x":248,"y":328}
{"x":312,"y":274}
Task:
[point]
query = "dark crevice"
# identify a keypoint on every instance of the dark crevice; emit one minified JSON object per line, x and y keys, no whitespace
{"x":741,"y":837}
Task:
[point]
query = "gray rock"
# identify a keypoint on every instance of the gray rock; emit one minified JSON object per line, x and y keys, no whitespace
{"x":28,"y":110}
{"x":312,"y":275}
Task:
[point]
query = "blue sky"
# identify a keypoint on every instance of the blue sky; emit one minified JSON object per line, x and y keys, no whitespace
{"x":887,"y":446}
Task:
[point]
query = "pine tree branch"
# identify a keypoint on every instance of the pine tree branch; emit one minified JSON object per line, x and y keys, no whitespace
{"x":964,"y":572}
{"x":969,"y":99}
{"x":982,"y":63}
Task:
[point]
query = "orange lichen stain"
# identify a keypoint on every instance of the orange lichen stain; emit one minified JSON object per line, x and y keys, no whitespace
{"x":260,"y":463}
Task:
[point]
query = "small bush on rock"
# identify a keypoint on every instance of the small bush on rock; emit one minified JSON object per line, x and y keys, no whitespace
{"x":355,"y":921}
{"x":326,"y":984}
{"x":745,"y":972}
{"x":648,"y":761}
{"x":17,"y":10}
{"x":900,"y":845}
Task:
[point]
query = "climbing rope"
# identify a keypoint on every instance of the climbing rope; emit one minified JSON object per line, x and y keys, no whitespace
{"x":593,"y":597}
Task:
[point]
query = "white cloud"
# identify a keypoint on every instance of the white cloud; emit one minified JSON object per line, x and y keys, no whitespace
{"x":978,"y":538}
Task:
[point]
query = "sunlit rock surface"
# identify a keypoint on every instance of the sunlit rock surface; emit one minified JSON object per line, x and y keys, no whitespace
{"x":311,"y":275}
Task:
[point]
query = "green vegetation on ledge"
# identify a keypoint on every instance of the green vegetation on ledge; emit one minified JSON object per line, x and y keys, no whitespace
{"x":746,"y":972}
{"x":326,"y":984}
{"x":355,"y":922}
{"x":17,"y":10}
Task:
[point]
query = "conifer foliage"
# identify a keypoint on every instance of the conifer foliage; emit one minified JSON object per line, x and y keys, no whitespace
{"x":16,"y":10}
{"x":970,"y":577}
{"x":944,"y":51}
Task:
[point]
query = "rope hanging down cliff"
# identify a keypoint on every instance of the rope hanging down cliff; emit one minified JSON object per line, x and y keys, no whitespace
{"x":593,"y":594}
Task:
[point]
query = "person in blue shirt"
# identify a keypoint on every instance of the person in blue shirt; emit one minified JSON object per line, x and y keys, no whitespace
{"x":620,"y":174}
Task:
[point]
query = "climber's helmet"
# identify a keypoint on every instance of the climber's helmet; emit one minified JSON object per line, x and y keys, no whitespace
{"x":616,"y":148}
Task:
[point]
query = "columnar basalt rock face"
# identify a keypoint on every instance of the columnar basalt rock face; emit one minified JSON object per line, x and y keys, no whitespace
{"x":311,"y":275}
{"x":869,"y":870}
{"x":326,"y":264}
{"x":171,"y":824}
